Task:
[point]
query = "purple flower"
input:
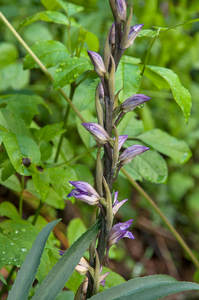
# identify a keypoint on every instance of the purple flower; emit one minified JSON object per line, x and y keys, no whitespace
{"x":97,"y":131}
{"x":119,"y":231}
{"x":121,"y":10}
{"x":97,"y":62}
{"x":122,"y":139}
{"x":133,"y":33}
{"x":128,"y":154}
{"x":85,"y":192}
{"x":132,"y":102}
{"x":117,"y":204}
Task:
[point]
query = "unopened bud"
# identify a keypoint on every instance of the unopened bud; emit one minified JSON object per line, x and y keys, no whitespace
{"x":130,"y":153}
{"x":132,"y":102}
{"x":98,"y":63}
{"x":133,"y":33}
{"x":97,"y":131}
{"x":112,"y":35}
{"x":121,"y":10}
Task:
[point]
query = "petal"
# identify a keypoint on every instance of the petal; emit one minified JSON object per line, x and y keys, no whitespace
{"x":97,"y":62}
{"x":85,"y":187}
{"x":131,"y":152}
{"x":133,"y":33}
{"x":92,"y":200}
{"x":98,"y":132}
{"x":132,"y":102}
{"x":117,"y":205}
{"x":122,"y":139}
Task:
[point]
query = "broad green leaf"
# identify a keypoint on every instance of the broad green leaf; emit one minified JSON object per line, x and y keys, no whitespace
{"x":150,"y":165}
{"x":59,"y":178}
{"x":7,"y":209}
{"x":180,"y":93}
{"x":180,"y":184}
{"x":70,"y":8}
{"x":12,"y":182}
{"x":3,"y":279}
{"x":49,"y":52}
{"x":150,"y":288}
{"x":51,"y":4}
{"x":83,"y":172}
{"x":156,"y":79}
{"x":46,"y":151}
{"x":69,"y":295}
{"x":13,"y":124}
{"x":47,"y":16}
{"x":89,"y":99}
{"x":161,"y":141}
{"x":58,"y":276}
{"x":48,"y":132}
{"x":13,"y":76}
{"x":67,"y":151}
{"x":7,"y":168}
{"x":26,"y":275}
{"x":127,"y":78}
{"x":130,"y":125}
{"x":148,"y":33}
{"x":8,"y":53}
{"x":92,"y":41}
{"x":23,"y":106}
{"x":75,"y":229}
{"x":19,"y":147}
{"x":69,"y":70}
{"x":132,"y":172}
{"x":41,"y":182}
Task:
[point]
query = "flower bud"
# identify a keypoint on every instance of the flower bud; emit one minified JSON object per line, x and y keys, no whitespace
{"x":130,"y":153}
{"x":132,"y":102}
{"x":121,"y":10}
{"x":112,"y":35}
{"x":133,"y":33}
{"x":97,"y":131}
{"x":98,"y":63}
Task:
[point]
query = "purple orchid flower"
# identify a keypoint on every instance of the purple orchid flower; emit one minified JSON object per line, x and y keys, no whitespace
{"x":132,"y":102}
{"x":85,"y":192}
{"x":97,"y":62}
{"x":116,"y":203}
{"x":133,"y":33}
{"x":128,"y":154}
{"x":122,"y":139}
{"x":97,"y":131}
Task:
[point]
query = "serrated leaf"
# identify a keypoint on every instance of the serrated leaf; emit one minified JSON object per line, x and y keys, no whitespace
{"x":127,"y":78}
{"x":7,"y":209}
{"x":180,"y":93}
{"x":23,"y":106}
{"x":58,"y":276}
{"x":49,"y":52}
{"x":13,"y":76}
{"x":47,"y":16}
{"x":8,"y":53}
{"x":150,"y":288}
{"x":19,"y":147}
{"x":26,"y":274}
{"x":48,"y":132}
{"x":69,"y":71}
{"x":161,"y":141}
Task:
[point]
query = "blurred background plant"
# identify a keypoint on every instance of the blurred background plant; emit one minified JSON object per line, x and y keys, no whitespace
{"x":154,"y":249}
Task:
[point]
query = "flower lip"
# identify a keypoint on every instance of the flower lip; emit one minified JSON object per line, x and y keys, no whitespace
{"x":119,"y":231}
{"x":134,"y":101}
{"x":131,"y":152}
{"x":84,"y":192}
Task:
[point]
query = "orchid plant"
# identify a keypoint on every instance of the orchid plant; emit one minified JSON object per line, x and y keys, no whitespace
{"x":111,"y":155}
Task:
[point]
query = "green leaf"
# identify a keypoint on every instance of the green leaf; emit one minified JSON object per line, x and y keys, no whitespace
{"x":69,"y":295}
{"x":83,"y":172}
{"x":45,"y":150}
{"x":23,"y":106}
{"x":149,"y":288}
{"x":113,"y":279}
{"x":54,"y":199}
{"x":178,"y":150}
{"x":180,"y":93}
{"x":150,"y":165}
{"x":70,"y":8}
{"x":86,"y":137}
{"x":75,"y":229}
{"x":48,"y":132}
{"x":49,"y":52}
{"x":3,"y":279}
{"x":26,"y":274}
{"x":13,"y":76}
{"x":8,"y":53}
{"x":7,"y":209}
{"x":47,"y":16}
{"x":130,"y":125}
{"x":70,"y":70}
{"x":67,"y":151}
{"x":12,"y":182}
{"x":18,"y":147}
{"x":127,"y":77}
{"x":51,"y":4}
{"x":148,"y":33}
{"x":58,"y":276}
{"x":89,"y":99}
{"x":92,"y":41}
{"x":7,"y":168}
{"x":41,"y":182}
